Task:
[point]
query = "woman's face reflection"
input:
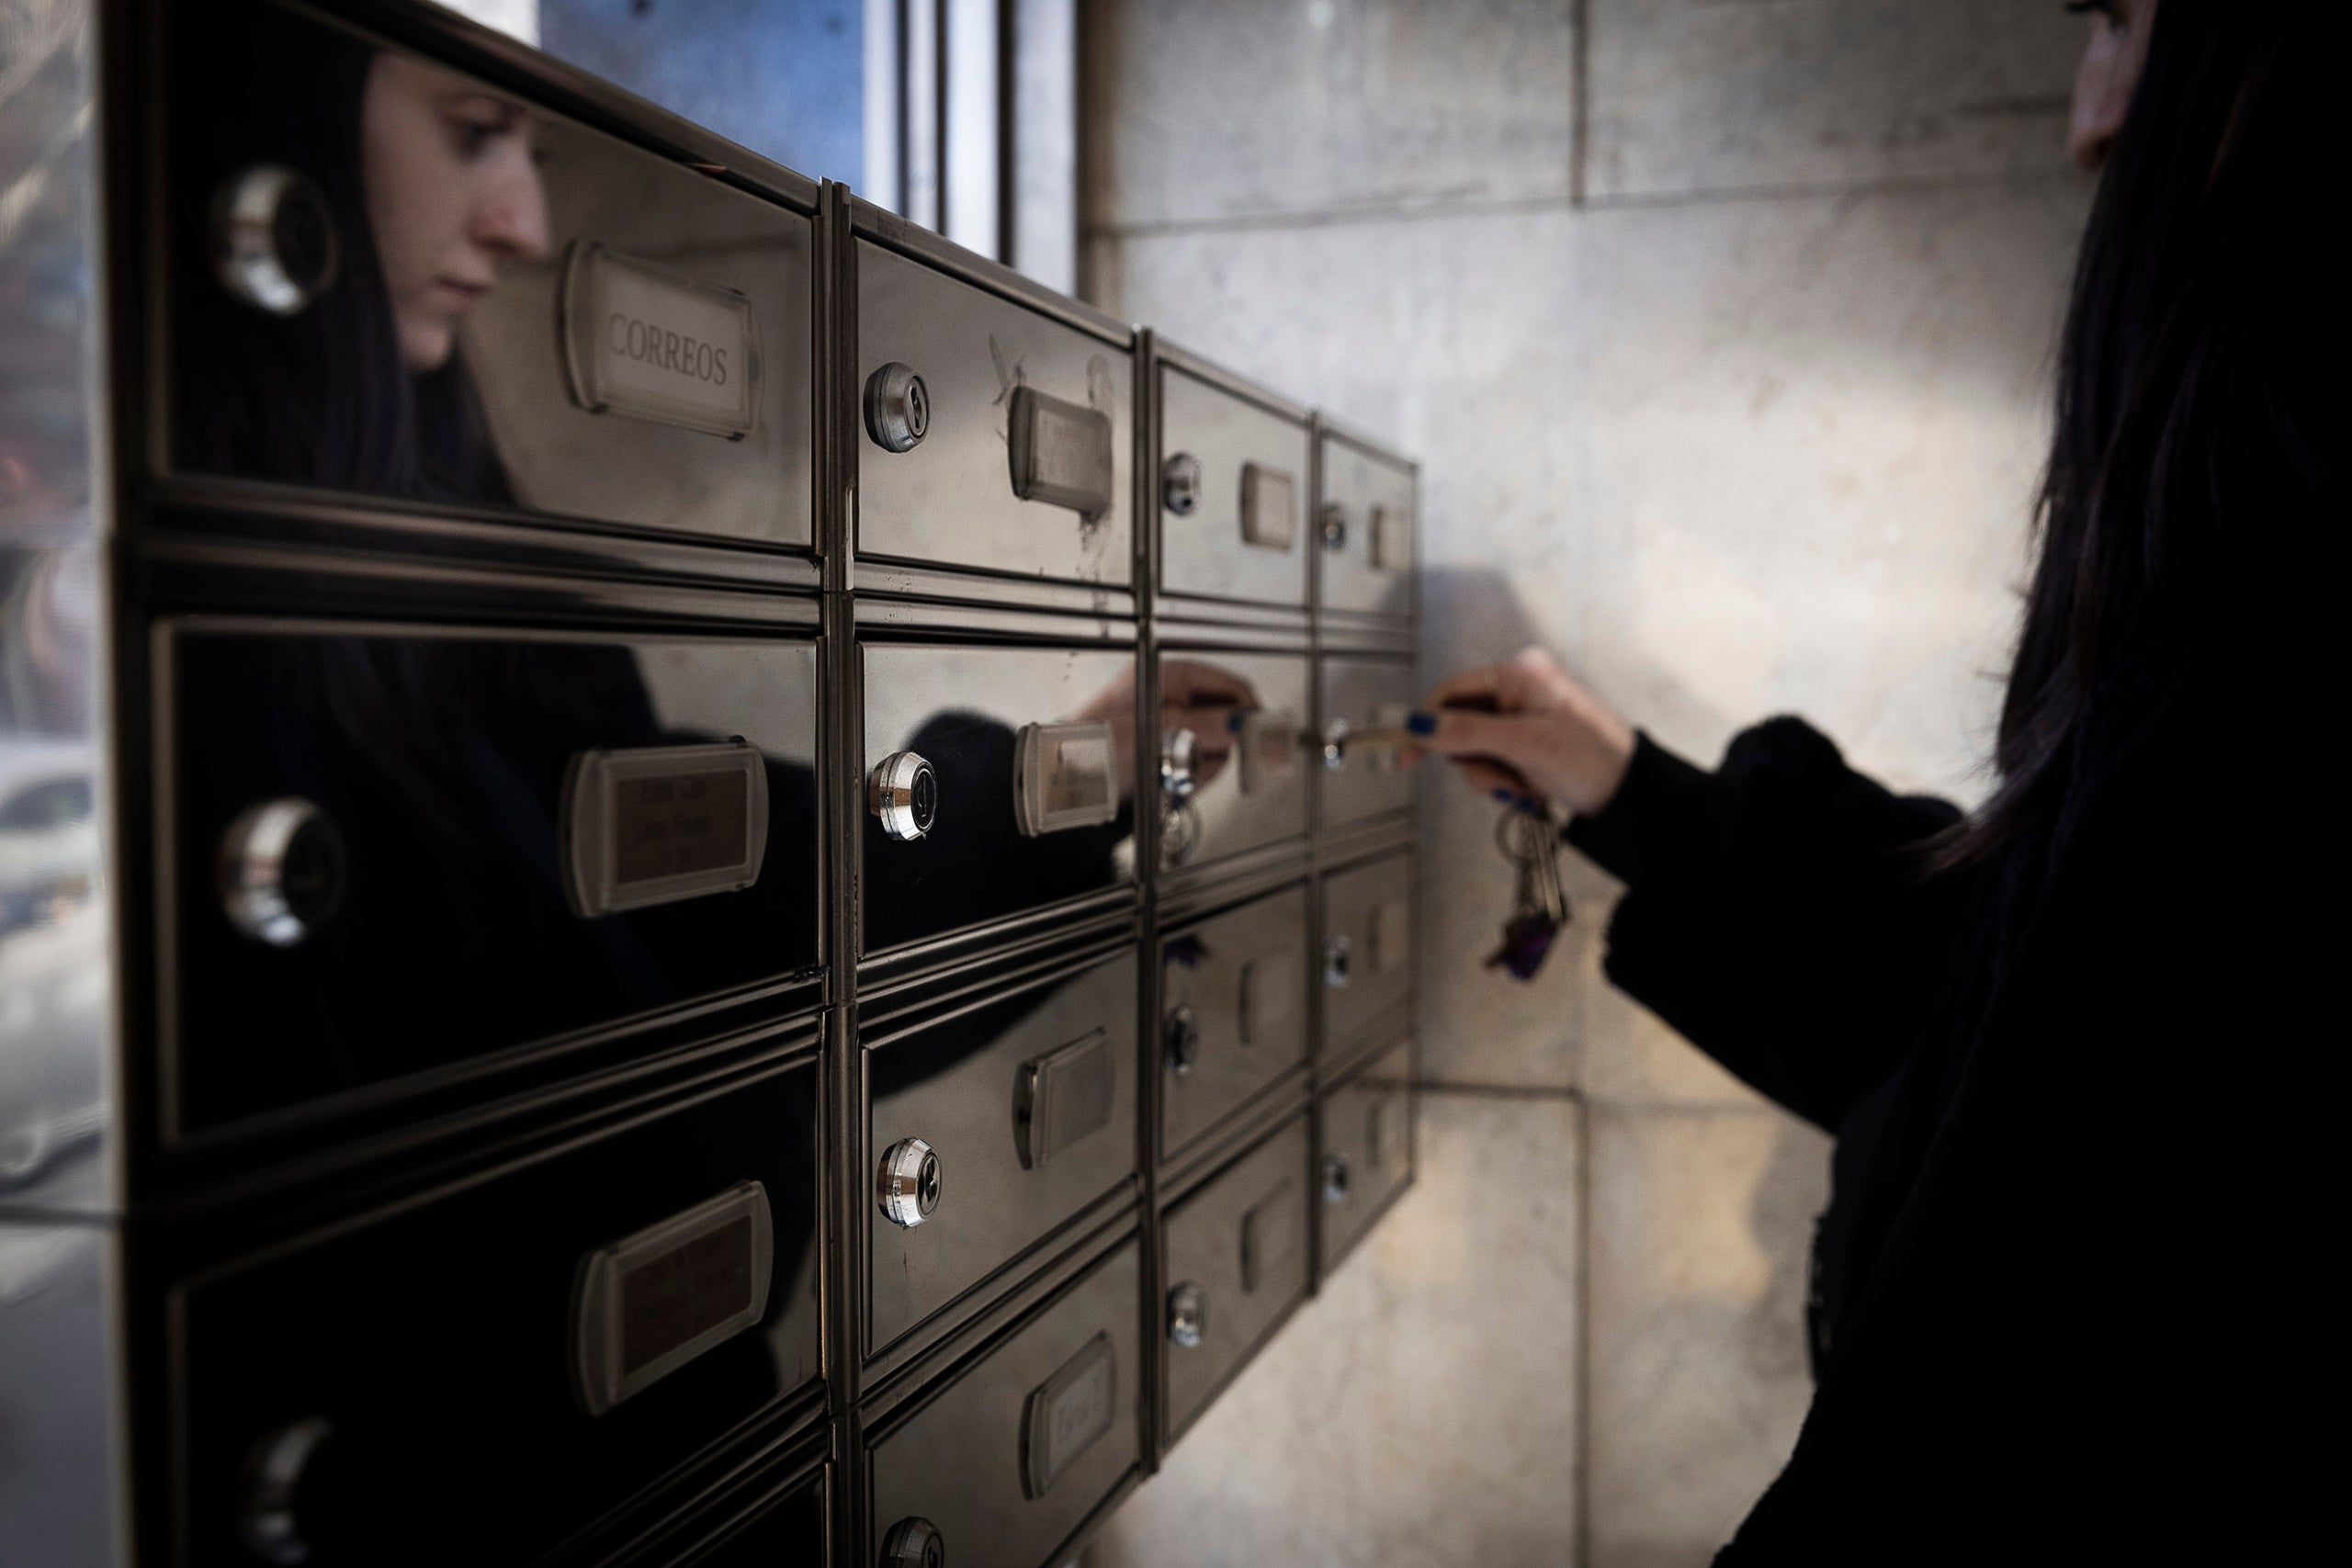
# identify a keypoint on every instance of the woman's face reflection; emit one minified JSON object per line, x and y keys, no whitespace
{"x":453,"y":187}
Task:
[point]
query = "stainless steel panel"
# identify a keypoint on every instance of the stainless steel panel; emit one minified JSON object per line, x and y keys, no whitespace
{"x":1233,"y":1012}
{"x":1367,"y":958}
{"x":56,"y":917}
{"x":784,"y":1531}
{"x":1241,"y":1242}
{"x":1207,"y":548}
{"x":414,"y":1372}
{"x":993,"y":373}
{"x":1367,"y":1143}
{"x":521,"y":311}
{"x":963,"y":710}
{"x":969,"y":1462}
{"x":1368,"y":529}
{"x":1246,"y":716}
{"x":1363,"y":779}
{"x":1028,"y":1103}
{"x":450,"y":770}
{"x":57,"y":1396}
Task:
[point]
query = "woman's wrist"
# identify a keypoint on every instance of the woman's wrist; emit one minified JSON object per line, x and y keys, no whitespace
{"x":1612,"y":757}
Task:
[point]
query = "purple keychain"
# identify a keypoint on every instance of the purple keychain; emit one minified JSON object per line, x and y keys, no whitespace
{"x":1540,"y":906}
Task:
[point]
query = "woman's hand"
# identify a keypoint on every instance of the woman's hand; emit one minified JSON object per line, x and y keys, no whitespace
{"x":1525,"y":727}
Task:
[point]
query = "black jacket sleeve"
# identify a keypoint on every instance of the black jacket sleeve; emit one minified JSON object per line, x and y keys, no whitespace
{"x":1779,"y":911}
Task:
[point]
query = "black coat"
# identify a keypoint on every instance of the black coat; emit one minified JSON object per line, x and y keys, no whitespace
{"x":2060,"y":1282}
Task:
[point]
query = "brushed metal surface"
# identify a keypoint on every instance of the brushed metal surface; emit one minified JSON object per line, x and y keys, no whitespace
{"x":955,"y":1086}
{"x":1244,"y":974}
{"x":951,"y":499}
{"x":1367,"y":1122}
{"x":442,"y":758}
{"x":1370,"y":910}
{"x":1211,"y":693}
{"x":1365,"y":694}
{"x":1357,"y":577}
{"x":434,"y":1338}
{"x":1203,"y":552}
{"x":962,"y":708}
{"x":319,"y":399}
{"x":958,"y":1463}
{"x":1242,"y":1239}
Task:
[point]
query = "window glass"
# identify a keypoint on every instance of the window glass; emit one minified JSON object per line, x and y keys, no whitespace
{"x":785,"y":78}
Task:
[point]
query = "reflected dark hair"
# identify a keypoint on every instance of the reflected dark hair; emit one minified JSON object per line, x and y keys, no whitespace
{"x":323,"y":397}
{"x":2196,"y":462}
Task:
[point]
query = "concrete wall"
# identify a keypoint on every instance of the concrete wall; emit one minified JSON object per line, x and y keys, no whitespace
{"x":1724,"y":331}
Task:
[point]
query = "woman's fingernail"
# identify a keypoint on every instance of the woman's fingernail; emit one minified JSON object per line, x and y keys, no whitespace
{"x":1506,"y":797}
{"x":1421,"y":723}
{"x":1529,"y":803}
{"x":1233,"y":720}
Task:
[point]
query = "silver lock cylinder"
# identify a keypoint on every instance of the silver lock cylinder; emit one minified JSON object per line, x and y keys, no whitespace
{"x":914,"y":1543}
{"x":282,"y":871}
{"x":1182,"y":1032}
{"x":1335,"y":1177}
{"x":1188,"y":1315}
{"x":897,"y":407}
{"x":1331,"y":523}
{"x":1180,"y":764}
{"x":274,"y":242}
{"x":1179,"y":484}
{"x":1335,"y":744}
{"x":270,"y":1524}
{"x":903,"y":793}
{"x":909,"y":1182}
{"x":1338,"y":962}
{"x":1179,"y":825}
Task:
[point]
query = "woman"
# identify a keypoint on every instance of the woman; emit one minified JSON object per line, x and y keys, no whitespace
{"x":432,"y":184}
{"x":2057,"y":1040}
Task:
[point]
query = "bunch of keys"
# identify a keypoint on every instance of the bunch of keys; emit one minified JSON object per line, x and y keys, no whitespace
{"x":1540,"y":906}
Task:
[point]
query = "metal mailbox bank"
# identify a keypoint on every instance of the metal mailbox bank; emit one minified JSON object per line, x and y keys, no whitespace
{"x":654,"y":913}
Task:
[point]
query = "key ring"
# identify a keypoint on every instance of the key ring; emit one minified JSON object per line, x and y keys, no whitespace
{"x":1540,"y":903}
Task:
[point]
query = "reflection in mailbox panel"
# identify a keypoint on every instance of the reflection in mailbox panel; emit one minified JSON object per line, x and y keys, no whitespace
{"x":651,"y":310}
{"x":1029,"y":787}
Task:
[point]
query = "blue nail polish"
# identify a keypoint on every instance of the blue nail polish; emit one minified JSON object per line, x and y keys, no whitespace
{"x":1506,"y":797}
{"x":1233,"y":720}
{"x":1529,"y":803}
{"x":1421,"y":723}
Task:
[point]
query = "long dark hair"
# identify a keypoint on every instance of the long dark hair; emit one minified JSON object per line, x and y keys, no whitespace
{"x":2195,"y":463}
{"x":323,"y":397}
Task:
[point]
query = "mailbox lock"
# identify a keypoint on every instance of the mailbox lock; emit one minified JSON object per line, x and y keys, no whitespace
{"x":904,"y":792}
{"x":1188,"y":1315}
{"x":282,"y":871}
{"x":1338,"y":962}
{"x":1335,"y":744}
{"x":274,"y":242}
{"x":1179,"y":825}
{"x":897,"y":407}
{"x":914,"y":1543}
{"x":1183,"y":1033}
{"x":1335,"y":1177}
{"x":271,"y":1525}
{"x":910,"y":1182}
{"x":1179,"y":484}
{"x":1331,"y":522}
{"x":1180,"y":758}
